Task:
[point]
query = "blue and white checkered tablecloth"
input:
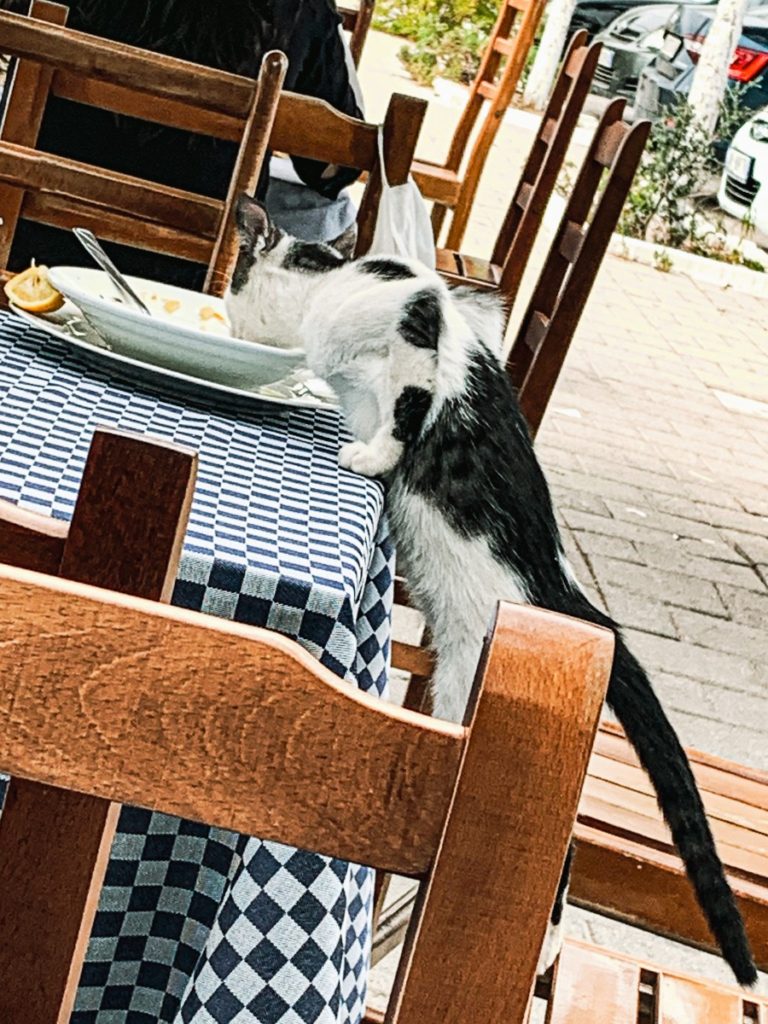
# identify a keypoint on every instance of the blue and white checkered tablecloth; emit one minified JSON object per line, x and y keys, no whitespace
{"x":195,"y":924}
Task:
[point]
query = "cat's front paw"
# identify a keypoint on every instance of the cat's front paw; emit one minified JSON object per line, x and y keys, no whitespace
{"x":367,"y":459}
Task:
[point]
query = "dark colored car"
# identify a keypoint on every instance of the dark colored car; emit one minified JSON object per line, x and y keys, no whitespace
{"x":595,"y":15}
{"x":668,"y":77}
{"x":630,"y":43}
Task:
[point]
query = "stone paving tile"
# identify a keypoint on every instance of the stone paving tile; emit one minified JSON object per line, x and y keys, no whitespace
{"x":628,"y":606}
{"x":680,"y":657}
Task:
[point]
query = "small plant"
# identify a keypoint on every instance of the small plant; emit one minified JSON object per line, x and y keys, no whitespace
{"x":662,"y":260}
{"x":448,"y":36}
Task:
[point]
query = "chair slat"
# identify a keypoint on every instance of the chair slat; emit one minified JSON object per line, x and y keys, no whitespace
{"x":686,"y":1001}
{"x":166,"y":110}
{"x":625,"y":778}
{"x":488,"y":90}
{"x":155,"y":75}
{"x":411,"y":658}
{"x":242,"y":748}
{"x":588,"y":988}
{"x":645,"y":886}
{"x":109,"y":225}
{"x":23,"y":167}
{"x":742,"y":782}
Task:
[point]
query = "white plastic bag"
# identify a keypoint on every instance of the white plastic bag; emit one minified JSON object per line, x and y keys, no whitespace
{"x":403,"y":227}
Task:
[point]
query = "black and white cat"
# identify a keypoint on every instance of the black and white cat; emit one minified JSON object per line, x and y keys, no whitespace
{"x":416,"y":368}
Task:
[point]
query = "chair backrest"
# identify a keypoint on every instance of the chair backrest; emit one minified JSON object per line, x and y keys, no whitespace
{"x":577,"y":251}
{"x":56,"y":61}
{"x":74,"y":66}
{"x":496,"y":80}
{"x":427,"y":800}
{"x":534,"y":188}
{"x":356,"y":19}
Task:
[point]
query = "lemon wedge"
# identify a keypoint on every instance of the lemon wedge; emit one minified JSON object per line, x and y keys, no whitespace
{"x":32,"y":291}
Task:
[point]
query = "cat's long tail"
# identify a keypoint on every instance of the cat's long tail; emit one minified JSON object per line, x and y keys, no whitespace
{"x":637,"y":707}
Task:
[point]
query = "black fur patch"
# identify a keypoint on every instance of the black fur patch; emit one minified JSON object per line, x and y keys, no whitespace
{"x":312,"y":258}
{"x":562,"y":888}
{"x":245,"y":261}
{"x":387,"y":270}
{"x":421,"y":323}
{"x":410,"y":409}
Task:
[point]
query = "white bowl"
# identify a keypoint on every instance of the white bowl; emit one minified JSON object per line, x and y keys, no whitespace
{"x":187,"y":332}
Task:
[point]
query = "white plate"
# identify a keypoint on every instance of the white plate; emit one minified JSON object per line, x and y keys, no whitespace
{"x":187,"y":331}
{"x":299,"y":390}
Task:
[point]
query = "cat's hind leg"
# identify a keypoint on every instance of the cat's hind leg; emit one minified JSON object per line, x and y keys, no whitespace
{"x":553,"y":940}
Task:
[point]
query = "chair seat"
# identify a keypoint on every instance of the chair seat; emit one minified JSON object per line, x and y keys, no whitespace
{"x":590,"y":985}
{"x":460,"y":269}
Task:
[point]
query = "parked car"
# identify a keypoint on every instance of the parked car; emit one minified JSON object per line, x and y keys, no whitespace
{"x":630,"y":43}
{"x":744,"y":185}
{"x":669,"y":76}
{"x":596,"y":15}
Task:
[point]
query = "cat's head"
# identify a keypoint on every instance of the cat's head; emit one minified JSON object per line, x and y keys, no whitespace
{"x":272,"y":275}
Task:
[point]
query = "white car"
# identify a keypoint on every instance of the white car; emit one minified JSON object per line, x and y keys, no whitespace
{"x":744,"y":186}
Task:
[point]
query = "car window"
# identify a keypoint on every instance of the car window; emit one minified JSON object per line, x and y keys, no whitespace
{"x":649,"y":19}
{"x":755,"y":34}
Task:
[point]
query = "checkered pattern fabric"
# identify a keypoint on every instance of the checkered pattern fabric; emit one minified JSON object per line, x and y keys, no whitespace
{"x":198,"y":925}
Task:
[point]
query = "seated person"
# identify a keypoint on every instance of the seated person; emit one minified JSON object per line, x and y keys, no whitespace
{"x":231,"y":37}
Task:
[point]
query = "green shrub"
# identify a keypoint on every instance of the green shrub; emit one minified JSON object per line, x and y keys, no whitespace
{"x":447,"y":36}
{"x":664,"y":205}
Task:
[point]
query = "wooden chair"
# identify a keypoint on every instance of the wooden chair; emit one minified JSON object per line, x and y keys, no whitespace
{"x":356,"y":20}
{"x":497,"y":79}
{"x":504,"y":271}
{"x":121,"y":208}
{"x":56,"y":61}
{"x":577,"y":251}
{"x":425,"y":802}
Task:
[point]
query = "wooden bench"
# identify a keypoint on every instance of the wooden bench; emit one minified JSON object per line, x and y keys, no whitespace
{"x":594,"y":986}
{"x":626,"y":866}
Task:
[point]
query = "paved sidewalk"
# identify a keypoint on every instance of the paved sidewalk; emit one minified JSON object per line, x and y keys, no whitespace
{"x":656,"y":448}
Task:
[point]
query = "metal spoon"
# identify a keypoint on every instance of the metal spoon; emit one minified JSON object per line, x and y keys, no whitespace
{"x":93,"y":247}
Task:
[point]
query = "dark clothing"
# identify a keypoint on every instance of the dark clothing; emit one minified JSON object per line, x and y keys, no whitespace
{"x":231,"y":36}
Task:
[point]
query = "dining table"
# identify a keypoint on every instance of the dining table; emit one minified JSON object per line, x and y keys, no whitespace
{"x":196,"y":924}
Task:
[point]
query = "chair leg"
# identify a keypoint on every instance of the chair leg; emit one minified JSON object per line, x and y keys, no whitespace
{"x":438,"y":219}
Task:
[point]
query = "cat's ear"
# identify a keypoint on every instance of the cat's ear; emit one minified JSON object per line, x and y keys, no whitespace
{"x":257,"y":232}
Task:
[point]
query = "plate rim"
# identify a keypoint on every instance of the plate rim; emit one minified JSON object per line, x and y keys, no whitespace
{"x":136,"y":316}
{"x":38,"y":322}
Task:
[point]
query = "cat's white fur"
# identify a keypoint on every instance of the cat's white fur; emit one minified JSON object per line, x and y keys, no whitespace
{"x":352,"y":341}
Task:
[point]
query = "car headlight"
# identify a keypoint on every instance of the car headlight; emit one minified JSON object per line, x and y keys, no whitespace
{"x":759,"y":131}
